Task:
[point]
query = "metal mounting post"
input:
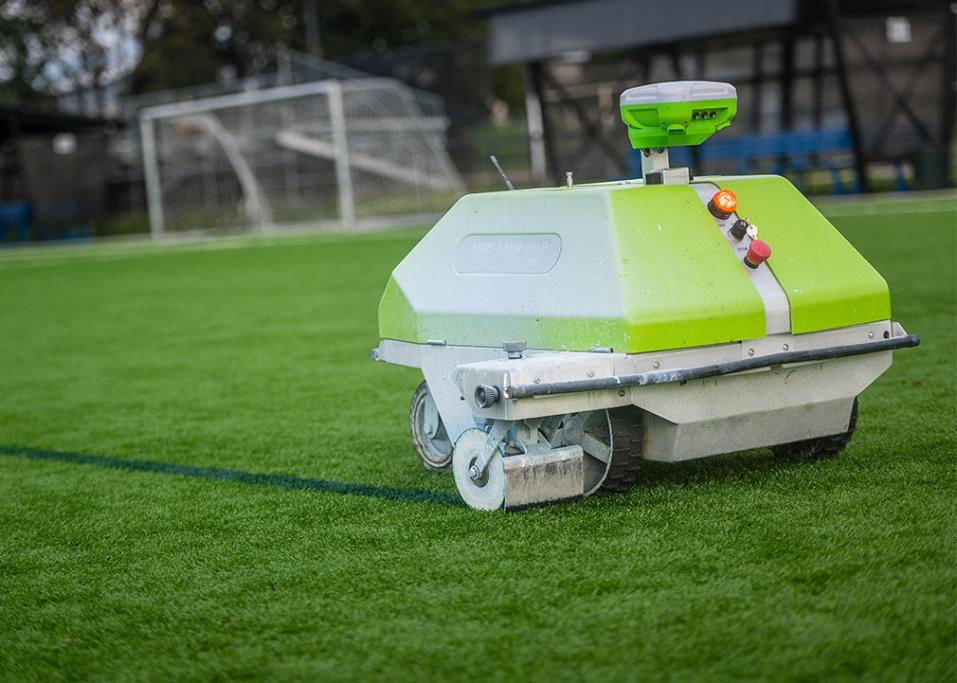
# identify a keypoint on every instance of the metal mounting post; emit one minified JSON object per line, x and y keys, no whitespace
{"x":653,"y":160}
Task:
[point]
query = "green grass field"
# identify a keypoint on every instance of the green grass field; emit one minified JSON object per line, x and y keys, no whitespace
{"x":203,"y":476}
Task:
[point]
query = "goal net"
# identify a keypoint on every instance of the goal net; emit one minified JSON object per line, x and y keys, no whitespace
{"x":332,"y":152}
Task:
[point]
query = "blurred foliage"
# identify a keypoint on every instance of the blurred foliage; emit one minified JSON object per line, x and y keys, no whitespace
{"x":386,"y":24}
{"x":188,"y":43}
{"x":50,"y":46}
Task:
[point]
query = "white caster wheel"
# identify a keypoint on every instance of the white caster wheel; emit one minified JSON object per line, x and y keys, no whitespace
{"x":487,"y":492}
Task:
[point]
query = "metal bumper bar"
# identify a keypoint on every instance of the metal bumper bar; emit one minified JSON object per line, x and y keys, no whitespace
{"x":685,"y":374}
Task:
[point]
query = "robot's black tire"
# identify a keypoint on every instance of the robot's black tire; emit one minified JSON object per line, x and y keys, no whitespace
{"x":628,"y":435}
{"x":819,"y":449}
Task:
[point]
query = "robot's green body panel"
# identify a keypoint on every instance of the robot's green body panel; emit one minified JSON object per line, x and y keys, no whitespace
{"x":678,"y":282}
{"x":622,"y":266}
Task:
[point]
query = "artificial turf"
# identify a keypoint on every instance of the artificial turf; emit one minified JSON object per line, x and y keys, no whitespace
{"x":136,"y":379}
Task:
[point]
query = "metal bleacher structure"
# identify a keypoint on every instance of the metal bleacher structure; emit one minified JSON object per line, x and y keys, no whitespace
{"x":855,"y":94}
{"x":789,"y":152}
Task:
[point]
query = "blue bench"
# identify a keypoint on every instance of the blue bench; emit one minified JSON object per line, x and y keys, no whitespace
{"x":62,"y":220}
{"x":15,"y":219}
{"x":796,"y":151}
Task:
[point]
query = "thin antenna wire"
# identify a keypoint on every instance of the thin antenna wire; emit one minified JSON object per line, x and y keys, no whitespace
{"x":508,"y":183}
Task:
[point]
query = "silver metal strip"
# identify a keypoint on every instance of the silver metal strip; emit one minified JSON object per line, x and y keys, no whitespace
{"x":777,"y":311}
{"x":713,"y":370}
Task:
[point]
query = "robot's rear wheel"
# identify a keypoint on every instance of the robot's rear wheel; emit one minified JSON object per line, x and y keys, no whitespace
{"x":822,"y":448}
{"x":627,"y":428}
{"x":429,"y":436}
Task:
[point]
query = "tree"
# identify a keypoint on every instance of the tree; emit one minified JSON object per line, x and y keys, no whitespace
{"x":188,"y":43}
{"x":55,"y":46}
{"x":350,"y":26}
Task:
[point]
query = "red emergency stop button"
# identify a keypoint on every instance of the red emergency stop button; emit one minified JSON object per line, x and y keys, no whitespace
{"x":723,"y":204}
{"x":758,"y":253}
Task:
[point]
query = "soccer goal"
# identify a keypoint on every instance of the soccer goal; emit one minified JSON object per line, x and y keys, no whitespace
{"x":334,"y":152}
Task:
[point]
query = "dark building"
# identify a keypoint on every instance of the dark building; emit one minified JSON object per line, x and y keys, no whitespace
{"x":53,"y":173}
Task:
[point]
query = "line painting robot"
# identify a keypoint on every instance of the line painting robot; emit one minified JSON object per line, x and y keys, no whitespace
{"x":566,"y":334}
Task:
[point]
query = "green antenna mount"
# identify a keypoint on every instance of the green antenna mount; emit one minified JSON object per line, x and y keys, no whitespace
{"x":674,"y":114}
{"x":677,"y":113}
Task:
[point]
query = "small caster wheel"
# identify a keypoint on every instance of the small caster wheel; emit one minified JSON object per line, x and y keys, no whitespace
{"x":429,"y":437}
{"x":480,"y":493}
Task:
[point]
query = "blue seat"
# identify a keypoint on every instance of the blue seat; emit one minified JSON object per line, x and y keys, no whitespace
{"x":65,"y":219}
{"x":795,"y":150}
{"x":15,"y":219}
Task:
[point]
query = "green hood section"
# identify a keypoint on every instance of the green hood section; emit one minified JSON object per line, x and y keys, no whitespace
{"x":827,"y":282}
{"x":633,"y":268}
{"x":396,"y":314}
{"x":680,"y":283}
{"x":624,"y":266}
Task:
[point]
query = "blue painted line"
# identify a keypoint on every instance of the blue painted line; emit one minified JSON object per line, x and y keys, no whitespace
{"x":224,"y":474}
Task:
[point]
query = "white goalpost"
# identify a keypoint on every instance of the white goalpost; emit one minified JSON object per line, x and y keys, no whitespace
{"x":331,"y":152}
